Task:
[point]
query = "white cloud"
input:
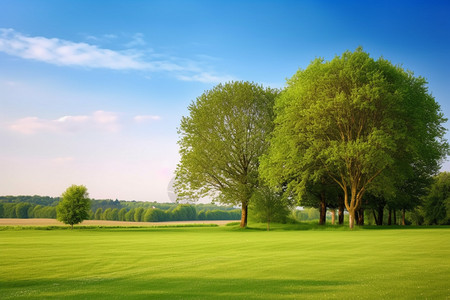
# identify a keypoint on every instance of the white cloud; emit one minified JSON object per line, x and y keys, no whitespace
{"x":66,"y":53}
{"x":205,"y":78}
{"x":141,"y":119}
{"x":78,"y":54}
{"x":99,"y":120}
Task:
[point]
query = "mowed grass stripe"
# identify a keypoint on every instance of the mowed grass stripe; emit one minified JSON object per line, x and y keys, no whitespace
{"x":223,"y":262}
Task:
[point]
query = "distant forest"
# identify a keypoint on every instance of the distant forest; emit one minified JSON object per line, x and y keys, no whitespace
{"x":117,"y":210}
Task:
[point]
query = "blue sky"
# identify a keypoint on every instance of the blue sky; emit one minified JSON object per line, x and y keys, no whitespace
{"x":92,"y":92}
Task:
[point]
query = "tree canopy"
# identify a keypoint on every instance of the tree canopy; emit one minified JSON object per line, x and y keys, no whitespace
{"x":221,"y":142}
{"x":74,"y":206}
{"x":364,"y":123}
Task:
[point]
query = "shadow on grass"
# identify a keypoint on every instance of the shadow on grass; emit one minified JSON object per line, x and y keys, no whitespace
{"x":169,"y":288}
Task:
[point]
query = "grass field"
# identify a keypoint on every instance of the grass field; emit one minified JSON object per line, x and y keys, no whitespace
{"x":224,"y":263}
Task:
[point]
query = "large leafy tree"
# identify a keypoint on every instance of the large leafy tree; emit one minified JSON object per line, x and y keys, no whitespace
{"x":364,"y":123}
{"x":74,"y":205}
{"x":221,"y":142}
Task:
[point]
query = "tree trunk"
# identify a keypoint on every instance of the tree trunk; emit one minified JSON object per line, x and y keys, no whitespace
{"x":361,"y":217}
{"x":341,"y":211}
{"x":71,"y":226}
{"x":375,"y":216}
{"x":333,"y":216}
{"x":403,"y":217}
{"x":390,"y":217}
{"x":323,"y":210}
{"x":380,"y":215}
{"x":395,"y":217}
{"x":244,"y":214}
{"x":351,"y":219}
{"x":268,"y":225}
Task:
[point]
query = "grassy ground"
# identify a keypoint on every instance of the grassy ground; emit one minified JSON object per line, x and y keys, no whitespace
{"x":225,"y":263}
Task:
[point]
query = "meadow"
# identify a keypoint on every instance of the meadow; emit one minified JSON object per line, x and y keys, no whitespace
{"x":224,"y":263}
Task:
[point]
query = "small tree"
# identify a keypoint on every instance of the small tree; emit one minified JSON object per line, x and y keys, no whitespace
{"x":269,"y":206}
{"x":74,"y":205}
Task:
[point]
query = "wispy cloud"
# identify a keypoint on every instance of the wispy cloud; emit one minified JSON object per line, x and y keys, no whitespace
{"x":99,"y":120}
{"x":66,"y":53}
{"x":79,"y":54}
{"x":141,"y":119}
{"x":205,"y":78}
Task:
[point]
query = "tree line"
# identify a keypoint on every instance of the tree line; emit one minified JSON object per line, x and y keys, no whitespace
{"x":353,"y":134}
{"x":135,"y":211}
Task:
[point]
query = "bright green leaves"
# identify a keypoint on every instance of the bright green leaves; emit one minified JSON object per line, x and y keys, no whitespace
{"x":222,"y":140}
{"x":354,"y":119}
{"x":74,"y":205}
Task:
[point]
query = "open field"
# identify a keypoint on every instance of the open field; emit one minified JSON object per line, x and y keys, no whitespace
{"x":54,"y":222}
{"x":224,"y":263}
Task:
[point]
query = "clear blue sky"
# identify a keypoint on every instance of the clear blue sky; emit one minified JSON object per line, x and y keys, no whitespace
{"x":92,"y":92}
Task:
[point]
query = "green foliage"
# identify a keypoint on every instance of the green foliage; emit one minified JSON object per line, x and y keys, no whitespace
{"x":22,"y":210}
{"x":221,"y":141}
{"x":9,"y":210}
{"x":106,"y":214}
{"x":129,"y":216}
{"x":2,"y":210}
{"x":437,"y":202}
{"x":122,"y":213}
{"x":154,"y":215}
{"x":115,"y":214}
{"x":34,"y":200}
{"x":98,"y":214}
{"x":268,"y":206}
{"x":138,"y":214}
{"x":366,"y":124}
{"x":74,"y":205}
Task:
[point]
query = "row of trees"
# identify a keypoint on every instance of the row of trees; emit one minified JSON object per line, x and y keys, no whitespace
{"x":24,"y":210}
{"x":182,"y":212}
{"x":353,"y":133}
{"x":13,"y":207}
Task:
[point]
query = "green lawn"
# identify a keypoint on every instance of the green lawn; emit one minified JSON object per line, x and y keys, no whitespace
{"x":224,"y":262}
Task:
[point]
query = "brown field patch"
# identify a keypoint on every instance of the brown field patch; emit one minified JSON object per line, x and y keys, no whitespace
{"x":53,"y":222}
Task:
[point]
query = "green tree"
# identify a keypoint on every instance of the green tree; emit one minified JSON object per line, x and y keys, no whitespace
{"x":98,"y":214}
{"x":364,"y":123}
{"x":437,"y":202}
{"x":2,"y":210}
{"x":22,"y":210}
{"x":154,"y":215}
{"x":138,"y":214}
{"x":221,"y":142}
{"x":122,"y":213}
{"x":129,"y":216}
{"x":270,"y":206}
{"x":107,"y":214}
{"x":115,"y":214}
{"x":74,"y":205}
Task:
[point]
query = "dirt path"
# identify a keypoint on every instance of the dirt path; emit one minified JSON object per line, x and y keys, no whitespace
{"x":53,"y":222}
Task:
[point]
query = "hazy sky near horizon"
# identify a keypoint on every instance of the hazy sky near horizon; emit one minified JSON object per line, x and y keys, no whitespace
{"x":92,"y":92}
